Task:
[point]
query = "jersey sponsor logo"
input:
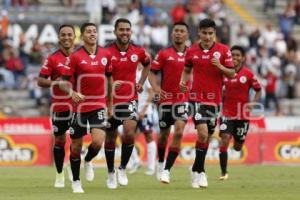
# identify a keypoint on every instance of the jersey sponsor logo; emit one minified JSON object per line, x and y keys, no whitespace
{"x":83,"y":62}
{"x":17,"y":154}
{"x":134,"y":58}
{"x":93,"y":63}
{"x":243,"y":79}
{"x":206,"y":57}
{"x":123,"y":59}
{"x":217,"y":55}
{"x":181,"y":60}
{"x":288,"y":151}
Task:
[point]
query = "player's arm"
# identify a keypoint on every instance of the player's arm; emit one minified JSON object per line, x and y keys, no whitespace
{"x":45,"y":72}
{"x":228,"y":72}
{"x":258,"y":92}
{"x":43,"y":81}
{"x":109,"y":95}
{"x":185,"y":77}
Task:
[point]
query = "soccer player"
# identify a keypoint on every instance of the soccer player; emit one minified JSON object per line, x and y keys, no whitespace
{"x":236,"y":107}
{"x":173,"y":106}
{"x":125,"y":59}
{"x":49,"y":76}
{"x":88,"y":65}
{"x":207,"y":61}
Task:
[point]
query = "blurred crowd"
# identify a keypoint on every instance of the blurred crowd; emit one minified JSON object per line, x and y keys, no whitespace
{"x":272,"y":51}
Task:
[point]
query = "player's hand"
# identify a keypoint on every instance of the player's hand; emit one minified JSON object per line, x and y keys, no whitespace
{"x":117,"y":84}
{"x":77,"y":97}
{"x":183,"y":87}
{"x":109,"y":112}
{"x":160,"y":93}
{"x":216,"y":62}
{"x":139,"y":87}
{"x":249,"y":107}
{"x":141,"y":115}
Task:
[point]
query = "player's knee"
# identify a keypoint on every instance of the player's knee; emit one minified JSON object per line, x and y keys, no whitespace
{"x":203,"y":137}
{"x":96,"y":145}
{"x":177,"y":136}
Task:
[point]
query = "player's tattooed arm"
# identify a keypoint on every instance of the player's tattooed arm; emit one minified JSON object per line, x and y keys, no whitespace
{"x":66,"y":86}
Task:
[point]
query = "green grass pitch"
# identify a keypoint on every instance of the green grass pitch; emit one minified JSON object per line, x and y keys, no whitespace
{"x":254,"y":182}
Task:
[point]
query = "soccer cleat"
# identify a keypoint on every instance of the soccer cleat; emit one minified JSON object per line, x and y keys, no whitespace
{"x":160,"y":169}
{"x":165,"y":176}
{"x":150,"y":172}
{"x":76,"y":187}
{"x":195,"y":179}
{"x":89,"y":171}
{"x":224,"y":177}
{"x":134,"y":167}
{"x":70,"y":174}
{"x":111,"y":181}
{"x":202,"y":180}
{"x":122,"y":177}
{"x":59,"y":180}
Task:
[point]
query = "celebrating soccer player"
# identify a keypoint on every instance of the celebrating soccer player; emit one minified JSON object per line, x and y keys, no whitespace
{"x":88,"y":65}
{"x":60,"y":110}
{"x":207,"y":61}
{"x":125,"y":59}
{"x":173,"y":106}
{"x":236,"y":107}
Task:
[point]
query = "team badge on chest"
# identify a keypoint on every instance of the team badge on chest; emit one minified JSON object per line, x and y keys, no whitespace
{"x":104,"y":61}
{"x":134,"y":58}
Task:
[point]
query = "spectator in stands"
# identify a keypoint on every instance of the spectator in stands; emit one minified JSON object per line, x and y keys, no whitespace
{"x":94,"y":9}
{"x":7,"y":80}
{"x":15,"y":65}
{"x":268,"y":37}
{"x":268,"y":4}
{"x":149,"y":12}
{"x":21,"y":3}
{"x":36,"y":53}
{"x":108,"y":10}
{"x":178,"y":12}
{"x":297,"y":11}
{"x":287,"y":19}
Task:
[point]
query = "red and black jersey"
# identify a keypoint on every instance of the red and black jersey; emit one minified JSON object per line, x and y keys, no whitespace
{"x":123,"y":68}
{"x":236,"y":94}
{"x":171,"y":63}
{"x":89,"y":74}
{"x":207,"y":78}
{"x":53,"y":67}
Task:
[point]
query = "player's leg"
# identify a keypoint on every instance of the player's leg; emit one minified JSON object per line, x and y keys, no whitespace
{"x":240,"y":134}
{"x":151,"y":152}
{"x":97,"y":123}
{"x":77,"y":130}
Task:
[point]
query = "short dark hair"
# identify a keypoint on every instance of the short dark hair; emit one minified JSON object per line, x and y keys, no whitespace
{"x":84,"y":25}
{"x":207,"y":23}
{"x":122,"y":20}
{"x":239,"y":48}
{"x":66,"y":25}
{"x":181,"y":24}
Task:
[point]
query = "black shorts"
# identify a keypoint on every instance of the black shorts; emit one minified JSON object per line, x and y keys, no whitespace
{"x":168,"y":114}
{"x":145,"y":125}
{"x":121,"y":112}
{"x":61,"y":122}
{"x":81,"y":121}
{"x":237,"y":128}
{"x":205,"y":114}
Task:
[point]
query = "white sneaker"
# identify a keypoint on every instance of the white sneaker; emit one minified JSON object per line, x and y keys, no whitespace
{"x":195,"y":179}
{"x":202,"y":180}
{"x":76,"y":186}
{"x":224,"y":177}
{"x":165,"y":177}
{"x":111,"y":181}
{"x":150,"y":172}
{"x":70,"y":174}
{"x":134,"y":167}
{"x":122,"y":177}
{"x":160,"y":169}
{"x":59,"y":180}
{"x":89,"y":171}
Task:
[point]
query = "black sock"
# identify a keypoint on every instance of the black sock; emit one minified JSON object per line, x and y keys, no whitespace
{"x":75,"y":165}
{"x":59,"y":155}
{"x":201,"y":150}
{"x":161,"y":150}
{"x":125,"y":154}
{"x":92,"y":152}
{"x":110,"y":156}
{"x":173,"y":153}
{"x":223,"y":155}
